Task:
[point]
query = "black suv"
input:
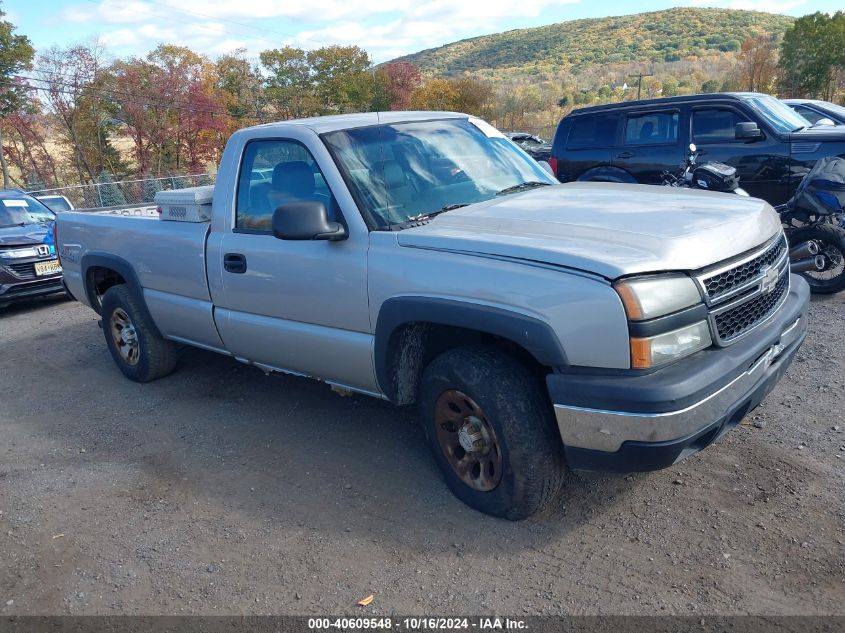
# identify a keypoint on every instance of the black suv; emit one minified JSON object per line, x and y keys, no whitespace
{"x":771,"y":146}
{"x":29,"y":266}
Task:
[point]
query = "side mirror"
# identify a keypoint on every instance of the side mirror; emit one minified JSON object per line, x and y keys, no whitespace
{"x":692,"y":148}
{"x":305,"y":220}
{"x":747,"y":131}
{"x":547,"y":166}
{"x":824,"y":121}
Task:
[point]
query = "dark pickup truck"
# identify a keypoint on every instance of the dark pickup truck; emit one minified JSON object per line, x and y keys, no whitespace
{"x":771,"y":146}
{"x":28,"y":263}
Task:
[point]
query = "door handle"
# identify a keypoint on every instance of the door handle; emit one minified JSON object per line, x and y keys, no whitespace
{"x":234,"y":263}
{"x":624,"y":155}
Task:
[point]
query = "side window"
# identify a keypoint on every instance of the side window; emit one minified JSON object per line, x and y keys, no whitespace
{"x":653,"y":128}
{"x":272,"y":173}
{"x":811,"y":115}
{"x":592,"y":131}
{"x":714,"y":125}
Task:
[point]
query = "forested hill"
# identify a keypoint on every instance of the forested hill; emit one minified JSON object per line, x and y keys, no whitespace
{"x":659,"y":36}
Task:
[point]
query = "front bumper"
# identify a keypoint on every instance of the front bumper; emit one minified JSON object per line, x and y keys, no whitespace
{"x":14,"y":289}
{"x":635,"y":422}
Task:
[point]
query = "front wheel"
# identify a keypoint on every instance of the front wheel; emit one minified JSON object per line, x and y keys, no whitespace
{"x":831,"y":242}
{"x":492,"y":432}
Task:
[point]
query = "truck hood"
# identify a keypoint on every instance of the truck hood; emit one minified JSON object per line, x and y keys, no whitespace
{"x":829,"y":133}
{"x":24,"y":235}
{"x":604,"y":228}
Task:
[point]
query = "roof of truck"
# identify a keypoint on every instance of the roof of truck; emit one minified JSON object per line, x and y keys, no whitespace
{"x":661,"y":101}
{"x":321,"y":124}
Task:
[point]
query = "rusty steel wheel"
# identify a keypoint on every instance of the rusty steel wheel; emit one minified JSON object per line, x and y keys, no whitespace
{"x":468,"y":440}
{"x":125,"y":337}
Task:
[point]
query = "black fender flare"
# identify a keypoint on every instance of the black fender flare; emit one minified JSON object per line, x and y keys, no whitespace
{"x":606,"y":173}
{"x":124,"y":269}
{"x":535,"y":336}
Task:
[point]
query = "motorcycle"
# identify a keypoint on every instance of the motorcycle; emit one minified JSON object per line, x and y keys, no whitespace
{"x":814,"y":223}
{"x":813,"y":219}
{"x":712,"y":176}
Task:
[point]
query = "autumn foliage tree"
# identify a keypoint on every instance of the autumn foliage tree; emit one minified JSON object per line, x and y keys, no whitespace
{"x":16,"y":55}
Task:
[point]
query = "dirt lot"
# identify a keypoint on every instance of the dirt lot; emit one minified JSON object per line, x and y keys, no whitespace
{"x":221,"y":490}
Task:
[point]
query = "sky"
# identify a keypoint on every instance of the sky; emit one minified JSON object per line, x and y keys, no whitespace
{"x":386,"y":28}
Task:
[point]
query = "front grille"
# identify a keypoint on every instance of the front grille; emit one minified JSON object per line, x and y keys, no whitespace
{"x":734,"y":278}
{"x":23,"y":270}
{"x":736,"y":321}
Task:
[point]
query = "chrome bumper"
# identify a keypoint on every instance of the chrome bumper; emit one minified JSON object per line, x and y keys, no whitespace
{"x":604,"y":430}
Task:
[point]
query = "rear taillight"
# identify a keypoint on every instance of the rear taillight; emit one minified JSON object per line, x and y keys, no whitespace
{"x":56,"y":241}
{"x":553,"y":163}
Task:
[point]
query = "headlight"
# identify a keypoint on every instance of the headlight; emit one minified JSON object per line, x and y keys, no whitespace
{"x":650,"y":297}
{"x":665,"y":348}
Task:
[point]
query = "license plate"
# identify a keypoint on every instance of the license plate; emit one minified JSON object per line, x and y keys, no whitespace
{"x":47,"y":268}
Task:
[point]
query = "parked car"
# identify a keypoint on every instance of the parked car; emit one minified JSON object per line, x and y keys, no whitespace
{"x":771,"y":146}
{"x":534,"y":146}
{"x":815,"y":110}
{"x":420,"y":258}
{"x":28,"y":264}
{"x":55,"y":203}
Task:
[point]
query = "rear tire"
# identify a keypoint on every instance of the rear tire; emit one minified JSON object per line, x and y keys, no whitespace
{"x":137,"y":349}
{"x":831,"y":241}
{"x":492,"y":432}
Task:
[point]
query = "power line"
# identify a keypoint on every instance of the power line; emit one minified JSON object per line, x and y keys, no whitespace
{"x":208,"y":28}
{"x":143,"y":100}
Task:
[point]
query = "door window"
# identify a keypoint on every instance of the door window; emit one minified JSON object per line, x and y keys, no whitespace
{"x":273,"y":173}
{"x":811,"y":115}
{"x":592,"y":132}
{"x":653,"y":128}
{"x":715,"y":125}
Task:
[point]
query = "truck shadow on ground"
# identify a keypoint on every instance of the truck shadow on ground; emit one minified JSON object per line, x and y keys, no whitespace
{"x":279,"y":449}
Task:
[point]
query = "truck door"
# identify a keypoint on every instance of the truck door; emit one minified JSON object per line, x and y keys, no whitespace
{"x":762,"y":164}
{"x":650,"y":145}
{"x":297,"y":306}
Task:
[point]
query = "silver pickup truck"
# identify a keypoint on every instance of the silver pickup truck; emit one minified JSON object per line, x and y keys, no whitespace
{"x":424,"y":259}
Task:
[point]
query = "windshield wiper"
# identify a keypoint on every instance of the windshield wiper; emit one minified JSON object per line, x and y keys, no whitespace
{"x":430,"y":214}
{"x":530,"y":184}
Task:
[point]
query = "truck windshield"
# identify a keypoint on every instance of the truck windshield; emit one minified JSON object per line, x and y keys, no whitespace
{"x":406,"y":171}
{"x":779,"y":115}
{"x":23,"y":211}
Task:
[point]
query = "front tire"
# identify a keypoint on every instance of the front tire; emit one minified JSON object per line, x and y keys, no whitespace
{"x":492,"y":432}
{"x":137,"y":349}
{"x":831,"y":241}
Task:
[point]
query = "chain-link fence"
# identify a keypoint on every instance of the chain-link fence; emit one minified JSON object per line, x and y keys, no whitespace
{"x":124,"y":192}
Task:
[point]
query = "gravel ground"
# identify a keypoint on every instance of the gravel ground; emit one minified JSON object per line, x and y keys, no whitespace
{"x":222,"y":490}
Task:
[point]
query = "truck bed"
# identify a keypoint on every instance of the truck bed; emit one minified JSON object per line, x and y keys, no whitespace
{"x":169,"y":257}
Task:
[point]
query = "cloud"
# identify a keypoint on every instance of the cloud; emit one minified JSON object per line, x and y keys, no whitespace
{"x":384,"y":29}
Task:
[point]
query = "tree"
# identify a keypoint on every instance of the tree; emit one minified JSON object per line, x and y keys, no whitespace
{"x":289,"y":86}
{"x":812,"y":54}
{"x":151,"y":187}
{"x":74,"y":86}
{"x":16,"y":55}
{"x":435,"y":94}
{"x":757,"y":64}
{"x":343,"y":80}
{"x":108,"y":192}
{"x":401,"y":79}
{"x":711,"y":85}
{"x":242,"y":82}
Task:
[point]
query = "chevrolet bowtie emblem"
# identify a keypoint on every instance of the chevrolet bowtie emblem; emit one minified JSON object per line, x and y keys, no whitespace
{"x":770,"y":279}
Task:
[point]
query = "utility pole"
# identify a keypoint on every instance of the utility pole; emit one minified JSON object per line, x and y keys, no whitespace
{"x":639,"y":77}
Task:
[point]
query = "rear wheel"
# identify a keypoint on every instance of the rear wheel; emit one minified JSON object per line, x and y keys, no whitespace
{"x":140,"y":353}
{"x":831,"y":242}
{"x":492,"y":432}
